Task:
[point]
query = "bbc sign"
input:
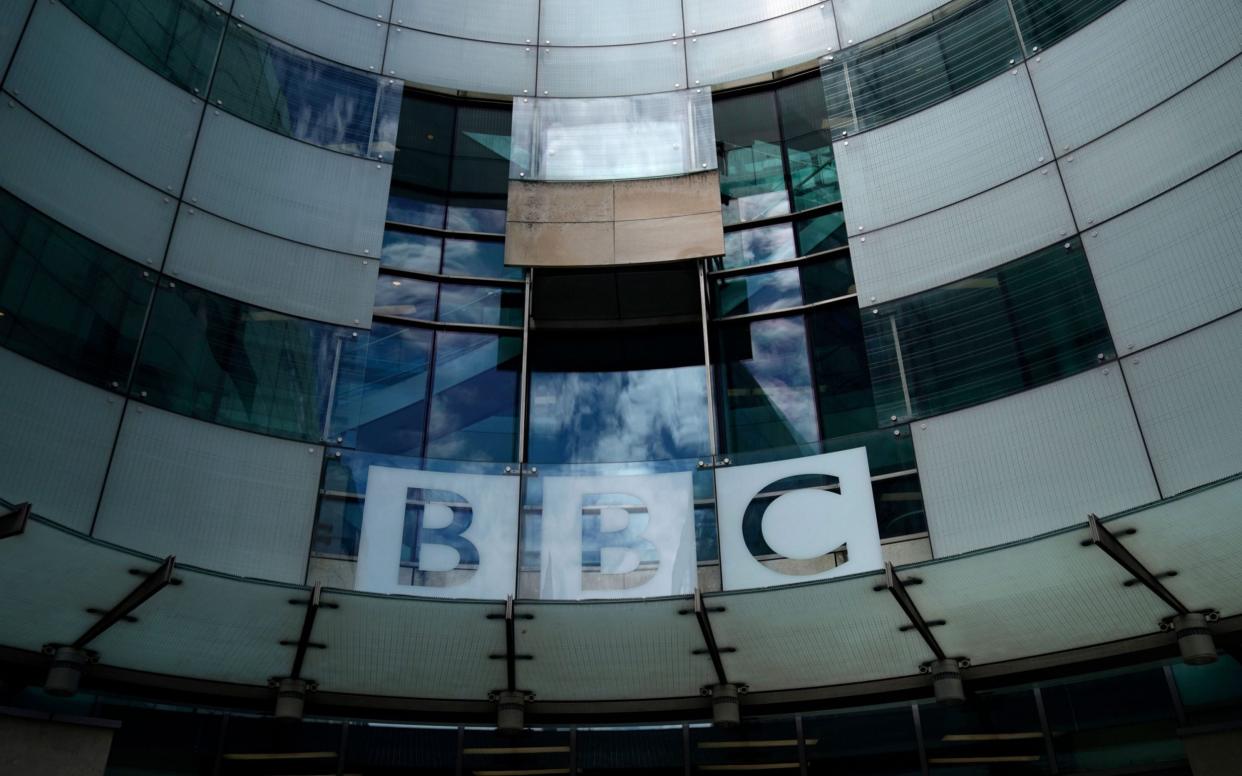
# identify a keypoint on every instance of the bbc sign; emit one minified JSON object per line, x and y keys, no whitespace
{"x":455,"y":535}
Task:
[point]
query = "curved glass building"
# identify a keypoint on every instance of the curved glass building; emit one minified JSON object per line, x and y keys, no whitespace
{"x":620,"y":387}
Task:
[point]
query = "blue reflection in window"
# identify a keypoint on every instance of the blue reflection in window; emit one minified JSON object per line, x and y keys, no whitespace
{"x":759,"y":245}
{"x":394,"y":394}
{"x":475,"y":397}
{"x":411,"y":252}
{"x":477,"y":258}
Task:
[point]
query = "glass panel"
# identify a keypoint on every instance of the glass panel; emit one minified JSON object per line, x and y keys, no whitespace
{"x":420,"y":174}
{"x":637,"y":751}
{"x":827,"y":279}
{"x":533,"y":751}
{"x":571,"y":23}
{"x":878,"y":742}
{"x":308,"y":747}
{"x":739,"y":294}
{"x":760,"y":49}
{"x":480,"y":180}
{"x":1005,"y":330}
{"x":1044,"y":22}
{"x":304,"y":97}
{"x":223,"y":361}
{"x":997,"y":733}
{"x":175,"y":38}
{"x":613,"y":138}
{"x":842,"y":379}
{"x":393,"y":405}
{"x":481,"y":304}
{"x":925,"y":62}
{"x":385,"y":750}
{"x":405,"y":297}
{"x":822,"y":233}
{"x":410,"y":251}
{"x":808,"y":144}
{"x":1210,"y":693}
{"x":478,"y":258}
{"x":759,"y":245}
{"x":474,"y":397}
{"x":748,"y":151}
{"x":764,"y":383}
{"x":767,"y":744}
{"x":607,"y":71}
{"x":65,"y":301}
{"x":1113,"y":721}
{"x":899,"y":505}
{"x":160,"y":740}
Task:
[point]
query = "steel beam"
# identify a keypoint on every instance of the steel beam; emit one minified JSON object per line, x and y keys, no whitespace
{"x":1104,"y":539}
{"x":153,"y":583}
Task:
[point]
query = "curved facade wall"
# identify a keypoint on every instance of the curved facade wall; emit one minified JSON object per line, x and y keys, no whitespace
{"x":1017,"y":304}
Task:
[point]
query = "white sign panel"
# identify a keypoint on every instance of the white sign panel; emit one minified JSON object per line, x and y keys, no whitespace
{"x":629,"y":536}
{"x":463,"y":528}
{"x":797,"y":520}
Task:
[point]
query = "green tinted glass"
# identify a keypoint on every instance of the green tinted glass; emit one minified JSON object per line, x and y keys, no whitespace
{"x":224,"y":361}
{"x":808,"y":144}
{"x":927,"y":61}
{"x":749,"y":158}
{"x":842,"y":379}
{"x":175,"y":38}
{"x":1024,"y":324}
{"x":1044,"y":22}
{"x":65,"y":301}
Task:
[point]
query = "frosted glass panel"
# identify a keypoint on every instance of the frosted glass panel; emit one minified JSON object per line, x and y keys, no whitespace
{"x":606,"y":71}
{"x":457,"y":63}
{"x":797,"y":520}
{"x":618,"y":650}
{"x":858,"y":20}
{"x":1117,"y":171}
{"x":761,"y":48}
{"x":58,"y":434}
{"x":606,"y":22}
{"x":613,"y":138}
{"x":75,"y":79}
{"x":320,"y":29}
{"x":1147,"y":294}
{"x":12,"y":19}
{"x":506,"y":21}
{"x":270,"y":272}
{"x":289,"y":188}
{"x":465,"y":529}
{"x":216,"y":497}
{"x":711,"y":15}
{"x":976,"y":234}
{"x":1185,"y":391}
{"x":57,"y":176}
{"x":1030,"y":463}
{"x":941,"y":155}
{"x":1105,"y":74}
{"x":372,"y":9}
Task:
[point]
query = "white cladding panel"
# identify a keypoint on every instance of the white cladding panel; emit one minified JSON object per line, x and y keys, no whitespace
{"x":608,"y":22}
{"x":458,"y":63}
{"x":320,"y":29}
{"x":858,"y":20}
{"x":504,"y":21}
{"x":1031,"y":463}
{"x":595,"y":71}
{"x":761,"y":48}
{"x":215,"y":497}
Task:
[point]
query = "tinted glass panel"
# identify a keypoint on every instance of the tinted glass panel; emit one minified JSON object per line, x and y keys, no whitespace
{"x":767,"y":744}
{"x":748,"y":151}
{"x":923,"y":63}
{"x":410,"y":251}
{"x":175,"y":38}
{"x":640,"y":752}
{"x":1044,"y":22}
{"x":393,"y":408}
{"x":405,"y":297}
{"x":996,"y":733}
{"x":821,"y":233}
{"x":486,"y":305}
{"x":1210,"y":693}
{"x":65,"y":301}
{"x":764,"y":381}
{"x":477,"y":258}
{"x":783,"y":288}
{"x":899,"y":506}
{"x":220,"y":360}
{"x":808,"y":144}
{"x":879,"y":742}
{"x":759,"y":245}
{"x":1024,"y":324}
{"x":475,"y":396}
{"x":420,"y":176}
{"x":842,"y":379}
{"x":377,"y":750}
{"x":311,"y":99}
{"x":480,"y":179}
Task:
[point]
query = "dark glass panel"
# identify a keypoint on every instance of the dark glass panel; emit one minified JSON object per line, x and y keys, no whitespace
{"x":1211,"y":693}
{"x":66,"y":302}
{"x":393,"y":408}
{"x":478,"y":258}
{"x":420,"y":176}
{"x":821,"y":233}
{"x":1024,"y":324}
{"x":842,"y":379}
{"x":175,"y":38}
{"x":827,"y":279}
{"x":767,"y":744}
{"x":405,"y":297}
{"x":925,"y":62}
{"x":386,"y":750}
{"x":486,"y":305}
{"x":1117,"y":721}
{"x":874,"y":742}
{"x":528,"y":753}
{"x":624,"y":751}
{"x":224,"y":361}
{"x":759,"y":245}
{"x":740,"y":294}
{"x":995,"y":733}
{"x":284,"y":749}
{"x":161,"y":741}
{"x":748,"y":151}
{"x":899,"y":506}
{"x":412,"y":252}
{"x":480,"y":179}
{"x":766,"y":398}
{"x":1044,"y":22}
{"x":302,"y":96}
{"x":474,"y":397}
{"x":808,"y":144}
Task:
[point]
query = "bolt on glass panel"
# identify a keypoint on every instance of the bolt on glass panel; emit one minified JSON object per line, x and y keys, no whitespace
{"x":1044,"y":22}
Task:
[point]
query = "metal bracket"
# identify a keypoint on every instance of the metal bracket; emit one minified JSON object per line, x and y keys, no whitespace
{"x":897,"y":587}
{"x":510,"y":655}
{"x":308,"y":623}
{"x":700,"y":611}
{"x":1108,"y":542}
{"x":13,"y":523}
{"x":151,"y":584}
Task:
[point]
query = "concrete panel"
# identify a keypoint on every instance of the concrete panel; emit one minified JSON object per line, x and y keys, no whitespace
{"x":1031,"y":463}
{"x":41,"y":744}
{"x":565,"y":202}
{"x":215,"y":497}
{"x":558,"y":245}
{"x":663,"y":197}
{"x":72,"y":77}
{"x":669,"y":239}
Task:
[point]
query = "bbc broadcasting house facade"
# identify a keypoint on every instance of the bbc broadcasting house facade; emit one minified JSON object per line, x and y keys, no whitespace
{"x":620,"y":387}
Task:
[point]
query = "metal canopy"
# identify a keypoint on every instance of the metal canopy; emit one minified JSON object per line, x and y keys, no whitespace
{"x":1042,"y":597}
